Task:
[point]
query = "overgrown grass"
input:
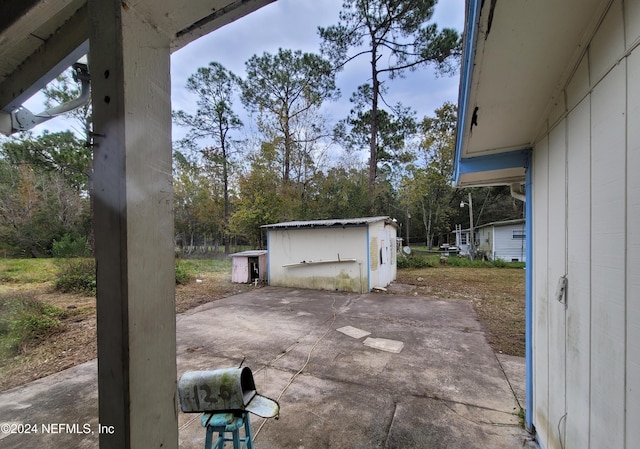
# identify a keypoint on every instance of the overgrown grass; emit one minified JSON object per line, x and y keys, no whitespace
{"x":196,"y":266}
{"x":25,"y":320}
{"x":188,"y":269}
{"x":417,"y":260}
{"x":77,"y":275}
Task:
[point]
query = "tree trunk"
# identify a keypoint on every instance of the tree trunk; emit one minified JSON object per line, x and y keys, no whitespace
{"x":225,"y":178}
{"x":373,"y":144}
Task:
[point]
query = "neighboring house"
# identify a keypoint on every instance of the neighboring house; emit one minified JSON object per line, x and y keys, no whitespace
{"x":354,"y":255}
{"x":462,"y":240}
{"x":498,"y":240}
{"x":550,"y":97}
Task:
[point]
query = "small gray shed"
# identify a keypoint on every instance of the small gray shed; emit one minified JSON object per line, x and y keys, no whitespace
{"x":249,"y":266}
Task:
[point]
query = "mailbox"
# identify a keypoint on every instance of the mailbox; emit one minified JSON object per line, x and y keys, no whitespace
{"x":223,"y":390}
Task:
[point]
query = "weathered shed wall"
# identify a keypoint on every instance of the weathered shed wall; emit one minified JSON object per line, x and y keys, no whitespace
{"x":382,"y":254}
{"x":308,"y":258}
{"x":586,"y":211}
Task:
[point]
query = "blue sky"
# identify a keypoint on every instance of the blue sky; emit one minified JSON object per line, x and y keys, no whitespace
{"x":293,"y":24}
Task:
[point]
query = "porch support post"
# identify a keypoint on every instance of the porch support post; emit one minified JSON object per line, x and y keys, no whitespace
{"x":130,"y":78}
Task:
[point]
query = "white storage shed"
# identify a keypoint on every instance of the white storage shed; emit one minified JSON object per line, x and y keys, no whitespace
{"x":550,"y":97}
{"x":354,"y":255}
{"x":249,"y":266}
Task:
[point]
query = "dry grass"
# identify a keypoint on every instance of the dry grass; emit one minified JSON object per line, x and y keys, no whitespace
{"x":76,"y":342}
{"x":497,"y":295}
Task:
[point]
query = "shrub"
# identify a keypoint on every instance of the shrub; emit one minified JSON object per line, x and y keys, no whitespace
{"x":183,"y":275}
{"x":23,"y":320}
{"x":68,"y":246}
{"x":77,"y":276}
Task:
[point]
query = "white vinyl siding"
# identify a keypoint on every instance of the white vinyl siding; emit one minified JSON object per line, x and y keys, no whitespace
{"x":502,"y":240}
{"x":633,"y":244}
{"x":586,"y":224}
{"x":509,"y":243}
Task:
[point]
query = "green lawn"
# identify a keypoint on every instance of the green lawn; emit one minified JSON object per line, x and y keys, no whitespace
{"x":28,"y":271}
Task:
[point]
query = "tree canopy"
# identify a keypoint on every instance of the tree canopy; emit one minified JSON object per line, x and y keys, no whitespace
{"x":214,"y":119}
{"x":292,"y":160}
{"x":284,"y":89}
{"x":396,"y":36}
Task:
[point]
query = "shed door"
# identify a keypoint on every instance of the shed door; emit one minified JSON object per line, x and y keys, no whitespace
{"x":240,"y":270}
{"x":385,"y":259}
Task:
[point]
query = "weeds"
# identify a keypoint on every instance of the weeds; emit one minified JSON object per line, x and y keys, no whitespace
{"x":417,"y":260}
{"x":183,"y":272}
{"x":25,"y":320}
{"x":77,"y":276}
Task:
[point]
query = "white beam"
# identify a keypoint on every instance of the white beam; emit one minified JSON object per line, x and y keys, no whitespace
{"x":130,"y":62}
{"x":55,"y":55}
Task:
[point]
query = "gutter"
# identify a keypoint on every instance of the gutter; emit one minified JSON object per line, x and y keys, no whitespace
{"x":517,"y":193}
{"x":528,"y":307}
{"x":474,"y":8}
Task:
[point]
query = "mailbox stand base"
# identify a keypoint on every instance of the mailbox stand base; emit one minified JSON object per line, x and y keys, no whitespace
{"x":227,"y":423}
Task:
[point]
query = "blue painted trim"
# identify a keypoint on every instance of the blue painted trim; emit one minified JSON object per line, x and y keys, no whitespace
{"x":368,"y":261}
{"x":268,"y":258}
{"x":529,"y":297}
{"x":499,"y":161}
{"x":466,"y":72}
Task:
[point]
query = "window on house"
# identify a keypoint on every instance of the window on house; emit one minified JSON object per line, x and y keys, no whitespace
{"x":519,"y":234}
{"x":463,"y":238}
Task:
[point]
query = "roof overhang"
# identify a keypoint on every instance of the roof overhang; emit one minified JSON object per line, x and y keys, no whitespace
{"x":518,"y":55}
{"x":39,"y":39}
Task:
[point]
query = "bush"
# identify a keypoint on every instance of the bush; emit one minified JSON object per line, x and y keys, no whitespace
{"x":183,"y":274}
{"x":77,"y":276}
{"x":68,"y":246}
{"x":23,"y":320}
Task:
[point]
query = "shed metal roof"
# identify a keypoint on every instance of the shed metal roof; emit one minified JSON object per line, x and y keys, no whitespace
{"x":249,"y":253}
{"x":334,"y":222}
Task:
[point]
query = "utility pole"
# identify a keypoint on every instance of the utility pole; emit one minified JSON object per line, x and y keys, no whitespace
{"x":408,"y":220}
{"x":471,"y":241}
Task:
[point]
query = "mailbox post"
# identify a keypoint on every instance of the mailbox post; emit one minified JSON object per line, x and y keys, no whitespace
{"x":225,"y":397}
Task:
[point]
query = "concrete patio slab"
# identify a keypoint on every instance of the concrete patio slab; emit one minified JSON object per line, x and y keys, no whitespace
{"x":445,"y":389}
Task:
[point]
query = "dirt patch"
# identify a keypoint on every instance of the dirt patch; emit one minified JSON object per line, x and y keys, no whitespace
{"x":497,"y":295}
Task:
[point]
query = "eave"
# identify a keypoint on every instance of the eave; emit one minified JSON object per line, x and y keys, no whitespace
{"x":41,"y":38}
{"x":518,"y":55}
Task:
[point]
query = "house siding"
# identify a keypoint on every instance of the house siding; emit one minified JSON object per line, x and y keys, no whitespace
{"x":497,"y":241}
{"x":586,"y":222}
